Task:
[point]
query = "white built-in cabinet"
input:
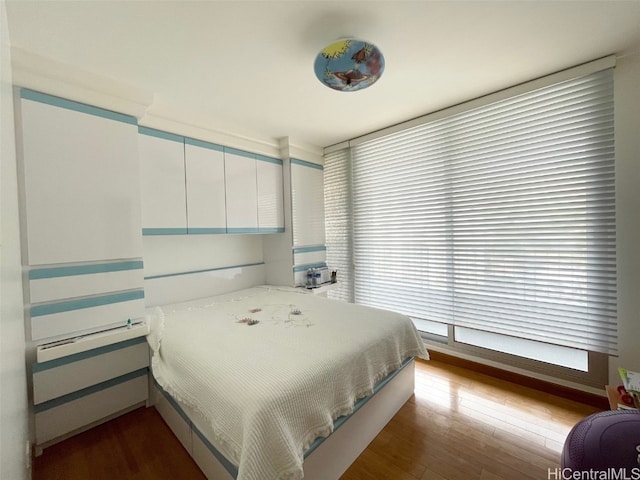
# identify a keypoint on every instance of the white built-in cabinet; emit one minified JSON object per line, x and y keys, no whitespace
{"x":206,"y":202}
{"x":162,"y":172}
{"x":307,"y":212}
{"x":242,"y":192}
{"x":82,"y":258}
{"x":270,"y":195}
{"x":81,"y":182}
{"x":195,"y":187}
{"x":80,"y":209}
{"x":75,"y":391}
{"x":307,"y":192}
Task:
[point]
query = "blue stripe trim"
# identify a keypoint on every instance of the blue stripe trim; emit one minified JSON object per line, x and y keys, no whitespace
{"x":152,"y":132}
{"x":76,"y":357}
{"x":164,"y":231}
{"x":242,"y":153}
{"x":358,"y":405}
{"x":264,"y":158}
{"x":70,"y":397}
{"x":55,"y":272}
{"x":204,"y":271}
{"x":170,"y":399}
{"x":76,"y":106}
{"x":203,"y":144}
{"x":70,"y":305}
{"x":216,"y":231}
{"x":243,"y":230}
{"x":309,"y":249}
{"x":202,"y":231}
{"x":307,"y":266}
{"x":304,"y":163}
{"x":228,"y":466}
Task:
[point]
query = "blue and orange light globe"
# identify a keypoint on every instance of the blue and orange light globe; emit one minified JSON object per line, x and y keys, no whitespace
{"x":349,"y":65}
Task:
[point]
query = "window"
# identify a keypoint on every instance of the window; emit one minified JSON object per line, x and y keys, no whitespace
{"x":498,"y":219}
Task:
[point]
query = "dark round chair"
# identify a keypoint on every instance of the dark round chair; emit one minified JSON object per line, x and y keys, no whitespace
{"x":604,"y":440}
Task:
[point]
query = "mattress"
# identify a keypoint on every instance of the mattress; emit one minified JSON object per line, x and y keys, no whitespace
{"x":269,"y":369}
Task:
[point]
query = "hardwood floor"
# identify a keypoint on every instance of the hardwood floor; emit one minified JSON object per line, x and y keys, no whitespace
{"x":464,"y":425}
{"x":137,"y":445}
{"x":458,"y":425}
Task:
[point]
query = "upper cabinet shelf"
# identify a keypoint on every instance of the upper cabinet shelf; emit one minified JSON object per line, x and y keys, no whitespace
{"x":270,"y":195}
{"x":242,"y":192}
{"x":81,"y":181}
{"x":162,"y":170}
{"x":307,"y":192}
{"x":195,"y":187}
{"x":206,"y":199}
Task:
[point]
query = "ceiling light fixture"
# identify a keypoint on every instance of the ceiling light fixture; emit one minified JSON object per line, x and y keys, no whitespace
{"x":349,"y":65}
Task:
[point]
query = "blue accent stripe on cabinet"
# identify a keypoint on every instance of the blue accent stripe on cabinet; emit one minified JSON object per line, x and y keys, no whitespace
{"x":56,"y":402}
{"x":164,"y":231}
{"x":54,"y":272}
{"x":302,"y":268}
{"x":243,"y":230}
{"x":304,"y":163}
{"x":242,"y":153}
{"x":70,"y":305}
{"x":270,"y":229}
{"x":264,"y":158}
{"x":59,"y":362}
{"x":76,"y":106}
{"x":152,"y":132}
{"x":309,"y":249}
{"x":203,"y":144}
{"x":206,"y":230}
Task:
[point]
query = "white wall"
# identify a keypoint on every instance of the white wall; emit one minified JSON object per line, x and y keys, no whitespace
{"x":627,"y":138}
{"x":14,"y":430}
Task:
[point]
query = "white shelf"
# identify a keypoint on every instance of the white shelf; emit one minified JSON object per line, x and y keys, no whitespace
{"x":322,"y":288}
{"x":83,"y":343}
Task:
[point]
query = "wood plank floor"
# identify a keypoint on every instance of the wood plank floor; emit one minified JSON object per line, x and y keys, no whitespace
{"x":458,"y":425}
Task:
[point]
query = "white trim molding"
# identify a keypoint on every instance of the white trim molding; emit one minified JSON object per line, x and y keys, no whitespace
{"x":56,"y":78}
{"x":291,"y":148}
{"x":182,"y":123}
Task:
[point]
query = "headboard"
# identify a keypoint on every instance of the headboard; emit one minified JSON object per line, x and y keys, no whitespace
{"x":181,"y":287}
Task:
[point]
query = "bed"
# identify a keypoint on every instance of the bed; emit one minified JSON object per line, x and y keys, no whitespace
{"x":261,"y":383}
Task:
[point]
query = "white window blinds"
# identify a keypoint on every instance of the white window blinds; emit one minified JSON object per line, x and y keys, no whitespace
{"x":500,"y":218}
{"x":337,"y":204}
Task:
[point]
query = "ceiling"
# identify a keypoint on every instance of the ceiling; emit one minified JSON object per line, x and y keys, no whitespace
{"x":247,"y":67}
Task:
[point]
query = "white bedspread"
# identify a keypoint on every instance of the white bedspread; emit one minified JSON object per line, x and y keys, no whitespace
{"x":269,"y":389}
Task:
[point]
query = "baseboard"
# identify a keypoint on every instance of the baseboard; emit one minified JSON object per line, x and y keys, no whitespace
{"x":587,"y":398}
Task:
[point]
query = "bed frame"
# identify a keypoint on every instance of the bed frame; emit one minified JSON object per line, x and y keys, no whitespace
{"x":327,"y":459}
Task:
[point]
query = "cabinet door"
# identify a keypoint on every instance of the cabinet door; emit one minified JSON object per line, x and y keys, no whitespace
{"x":164,"y":208}
{"x":81,"y":182}
{"x":307,"y":198}
{"x":206,"y":206}
{"x":270,"y":195}
{"x":241,"y":191}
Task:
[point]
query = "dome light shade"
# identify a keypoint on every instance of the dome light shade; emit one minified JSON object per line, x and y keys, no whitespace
{"x":349,"y":65}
